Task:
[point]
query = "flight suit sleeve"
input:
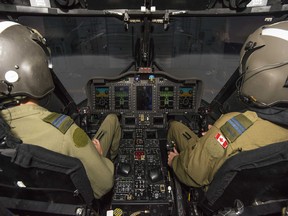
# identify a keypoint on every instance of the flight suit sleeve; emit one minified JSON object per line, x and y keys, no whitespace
{"x":193,"y":166}
{"x":99,"y":169}
{"x":180,"y":168}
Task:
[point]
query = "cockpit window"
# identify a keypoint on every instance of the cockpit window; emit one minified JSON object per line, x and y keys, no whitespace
{"x":202,"y":47}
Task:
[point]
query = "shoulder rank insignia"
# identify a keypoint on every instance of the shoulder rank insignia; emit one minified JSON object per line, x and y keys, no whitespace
{"x":235,"y":126}
{"x":60,"y":121}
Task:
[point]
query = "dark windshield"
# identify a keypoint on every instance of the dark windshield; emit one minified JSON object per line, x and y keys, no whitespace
{"x":203,"y":47}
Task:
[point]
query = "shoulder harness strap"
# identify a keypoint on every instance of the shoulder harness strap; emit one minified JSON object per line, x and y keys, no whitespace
{"x":60,"y":121}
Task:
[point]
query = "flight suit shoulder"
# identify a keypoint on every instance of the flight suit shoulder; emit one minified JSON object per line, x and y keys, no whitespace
{"x":224,"y":118}
{"x":60,"y":121}
{"x":252,"y":116}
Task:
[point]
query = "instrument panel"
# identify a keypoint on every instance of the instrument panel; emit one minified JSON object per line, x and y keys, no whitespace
{"x":143,"y":99}
{"x":143,"y":102}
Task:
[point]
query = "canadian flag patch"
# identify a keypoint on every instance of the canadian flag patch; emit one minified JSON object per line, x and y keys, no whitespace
{"x":221,"y":139}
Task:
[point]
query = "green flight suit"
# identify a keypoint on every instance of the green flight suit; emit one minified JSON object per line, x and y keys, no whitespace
{"x":200,"y":158}
{"x":31,"y":124}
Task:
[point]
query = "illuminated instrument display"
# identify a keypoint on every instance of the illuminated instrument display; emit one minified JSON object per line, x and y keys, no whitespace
{"x":186,"y":97}
{"x":101,"y":97}
{"x":166,"y":97}
{"x":143,"y":99}
{"x":121,"y":97}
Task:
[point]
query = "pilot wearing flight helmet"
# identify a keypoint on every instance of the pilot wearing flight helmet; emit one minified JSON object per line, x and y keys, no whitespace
{"x":25,"y":78}
{"x":264,"y":88}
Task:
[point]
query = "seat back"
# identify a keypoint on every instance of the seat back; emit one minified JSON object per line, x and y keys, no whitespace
{"x":256,"y":178}
{"x":37,"y":180}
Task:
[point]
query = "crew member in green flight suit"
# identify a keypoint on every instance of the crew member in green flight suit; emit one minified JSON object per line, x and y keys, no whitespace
{"x":264,"y":89}
{"x":25,"y":78}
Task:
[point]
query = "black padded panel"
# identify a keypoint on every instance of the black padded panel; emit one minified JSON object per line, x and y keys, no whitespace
{"x":48,"y":176}
{"x":260,"y":174}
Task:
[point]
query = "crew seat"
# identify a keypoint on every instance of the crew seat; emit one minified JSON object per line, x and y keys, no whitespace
{"x":37,"y":181}
{"x":250,"y":183}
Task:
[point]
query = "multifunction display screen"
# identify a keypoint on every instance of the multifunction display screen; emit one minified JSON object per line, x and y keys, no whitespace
{"x":144,"y":97}
{"x":121,"y":97}
{"x":145,"y":94}
{"x":101,"y":97}
{"x":166,"y":97}
{"x":185,"y":97}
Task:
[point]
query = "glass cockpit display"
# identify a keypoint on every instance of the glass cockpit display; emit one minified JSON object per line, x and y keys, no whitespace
{"x":102,"y":98}
{"x":186,"y":97}
{"x":144,"y":98}
{"x":166,"y":97}
{"x":142,"y":101}
{"x":121,"y":97}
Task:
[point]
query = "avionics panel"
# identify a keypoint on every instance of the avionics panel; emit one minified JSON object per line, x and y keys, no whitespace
{"x":166,"y":97}
{"x":187,"y":97}
{"x":121,"y":97}
{"x":141,"y":178}
{"x":101,"y":97}
{"x":144,"y":102}
{"x":144,"y":99}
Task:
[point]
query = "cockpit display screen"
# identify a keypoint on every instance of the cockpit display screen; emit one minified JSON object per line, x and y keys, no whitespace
{"x":186,"y":97}
{"x":186,"y":91}
{"x":121,"y":97}
{"x":166,"y":97}
{"x":144,"y":97}
{"x":101,"y":97}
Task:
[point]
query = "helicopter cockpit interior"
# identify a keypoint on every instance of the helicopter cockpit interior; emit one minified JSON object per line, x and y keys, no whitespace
{"x":149,"y":62}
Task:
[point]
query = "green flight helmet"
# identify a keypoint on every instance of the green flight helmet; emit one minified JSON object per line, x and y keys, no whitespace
{"x":24,"y":63}
{"x":264,"y":66}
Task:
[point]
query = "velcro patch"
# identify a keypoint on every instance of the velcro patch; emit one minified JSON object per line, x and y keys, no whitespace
{"x":59,"y":121}
{"x":221,"y":140}
{"x":235,"y":126}
{"x":80,"y":138}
